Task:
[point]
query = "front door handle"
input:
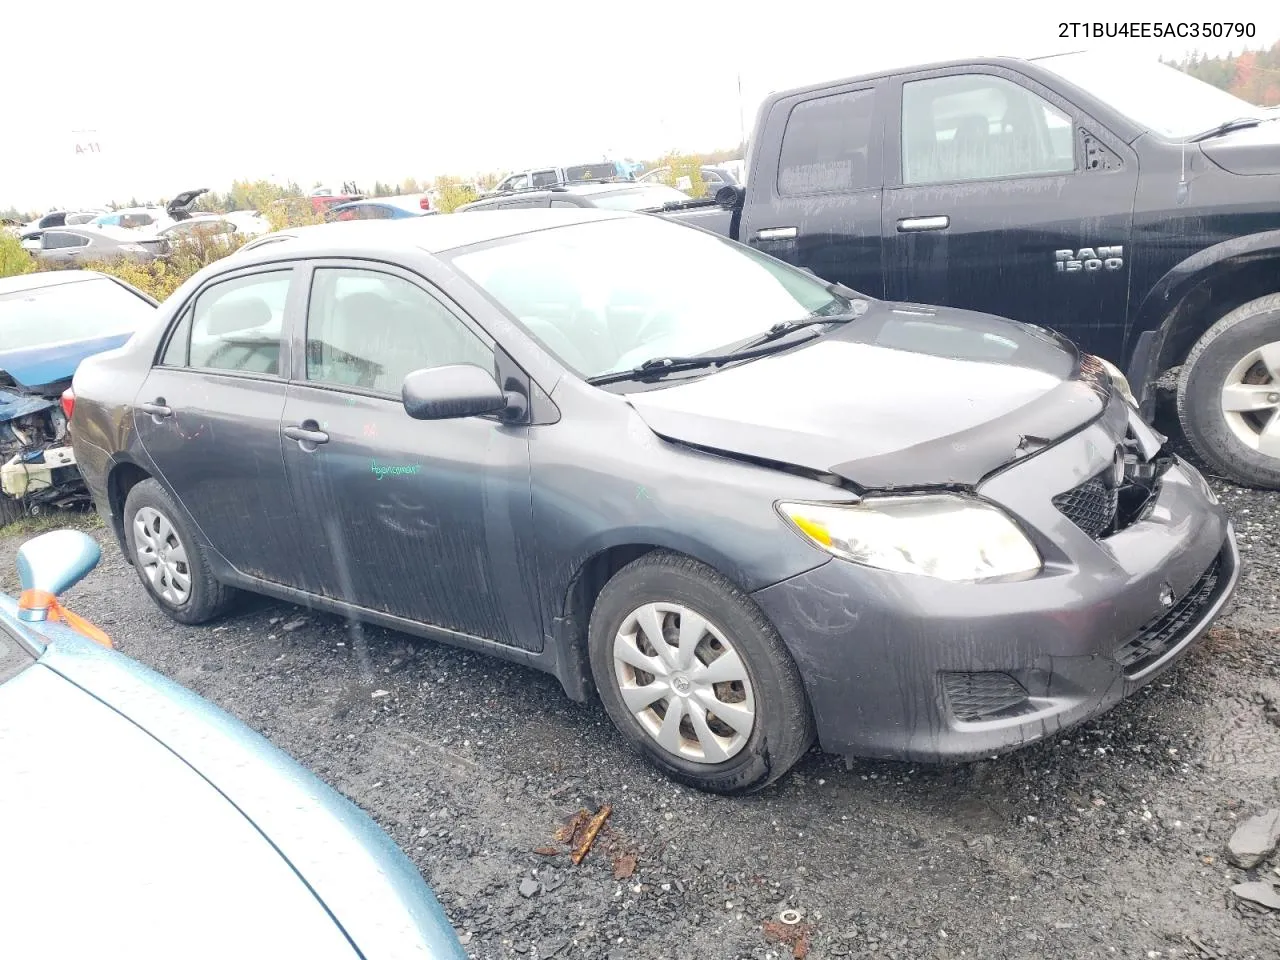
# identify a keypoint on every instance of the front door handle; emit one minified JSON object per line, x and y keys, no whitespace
{"x":777,"y":233}
{"x":308,"y":434}
{"x":157,"y":409}
{"x":916,"y":224}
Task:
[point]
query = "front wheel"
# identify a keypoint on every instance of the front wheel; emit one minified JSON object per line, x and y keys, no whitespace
{"x":695,"y":678}
{"x":1229,"y":394}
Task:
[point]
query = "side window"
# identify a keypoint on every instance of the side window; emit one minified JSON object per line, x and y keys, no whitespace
{"x":175,"y":353}
{"x":980,"y":127}
{"x":54,"y":240}
{"x":238,"y":324}
{"x":517,"y":183}
{"x":826,"y":145}
{"x":370,"y":329}
{"x":545,"y":178}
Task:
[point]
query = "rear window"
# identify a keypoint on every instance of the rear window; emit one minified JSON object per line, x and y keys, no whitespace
{"x":591,"y":171}
{"x":69,"y":312}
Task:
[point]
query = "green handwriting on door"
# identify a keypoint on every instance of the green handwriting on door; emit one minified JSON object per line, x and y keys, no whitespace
{"x":381,"y":470}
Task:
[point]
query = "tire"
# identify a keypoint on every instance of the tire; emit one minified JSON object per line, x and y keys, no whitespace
{"x":11,"y":509}
{"x":205,"y":598}
{"x":1219,"y":359}
{"x":732,"y":760}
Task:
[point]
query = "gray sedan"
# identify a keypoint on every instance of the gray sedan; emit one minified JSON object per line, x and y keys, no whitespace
{"x":744,"y":505}
{"x":85,"y":243}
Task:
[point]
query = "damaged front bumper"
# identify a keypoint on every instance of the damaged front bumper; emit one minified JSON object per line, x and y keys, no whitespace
{"x":37,"y":464}
{"x":912,"y":668}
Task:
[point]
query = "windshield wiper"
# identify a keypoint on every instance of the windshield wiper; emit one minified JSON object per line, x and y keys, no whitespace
{"x":1240,"y":123}
{"x":661,"y":366}
{"x":784,"y":327}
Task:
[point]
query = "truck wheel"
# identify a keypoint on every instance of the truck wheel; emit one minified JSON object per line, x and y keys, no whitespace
{"x":1229,"y":394}
{"x":695,"y":678}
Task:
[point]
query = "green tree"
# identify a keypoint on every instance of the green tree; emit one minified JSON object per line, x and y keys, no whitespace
{"x":13,"y":259}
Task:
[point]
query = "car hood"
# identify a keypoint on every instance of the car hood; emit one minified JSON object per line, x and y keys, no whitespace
{"x":15,"y":404}
{"x":1253,"y":151}
{"x":42,"y":369}
{"x":112,"y":840}
{"x":904,"y":396}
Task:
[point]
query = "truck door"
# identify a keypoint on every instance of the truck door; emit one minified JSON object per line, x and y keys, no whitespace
{"x":814,"y":199}
{"x":1003,"y":197}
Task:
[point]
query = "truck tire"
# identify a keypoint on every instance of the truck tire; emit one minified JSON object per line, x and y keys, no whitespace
{"x":1229,"y":395}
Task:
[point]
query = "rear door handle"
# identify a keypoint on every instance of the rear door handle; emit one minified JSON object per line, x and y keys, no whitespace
{"x":777,"y":233}
{"x":915,"y":224}
{"x":157,"y":409}
{"x":307,"y":433}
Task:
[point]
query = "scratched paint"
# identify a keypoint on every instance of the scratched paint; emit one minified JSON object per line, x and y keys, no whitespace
{"x":381,"y":470}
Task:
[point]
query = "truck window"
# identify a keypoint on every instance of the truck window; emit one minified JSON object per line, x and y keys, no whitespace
{"x":825,"y":145}
{"x":980,"y":127}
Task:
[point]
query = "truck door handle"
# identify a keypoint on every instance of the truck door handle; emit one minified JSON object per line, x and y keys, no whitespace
{"x":915,"y":224}
{"x":157,"y":409}
{"x":777,"y":233}
{"x":307,"y":432}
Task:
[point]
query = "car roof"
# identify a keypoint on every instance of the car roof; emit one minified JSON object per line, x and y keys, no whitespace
{"x":48,"y":278}
{"x":432,"y":234}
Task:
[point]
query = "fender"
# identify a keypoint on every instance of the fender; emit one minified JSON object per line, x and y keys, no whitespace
{"x":1157,"y":315}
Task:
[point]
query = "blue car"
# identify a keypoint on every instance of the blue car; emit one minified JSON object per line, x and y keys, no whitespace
{"x":49,"y":322}
{"x":141,"y":821}
{"x":383,"y":208}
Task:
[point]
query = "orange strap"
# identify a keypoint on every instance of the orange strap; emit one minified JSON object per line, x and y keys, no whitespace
{"x":44,"y":600}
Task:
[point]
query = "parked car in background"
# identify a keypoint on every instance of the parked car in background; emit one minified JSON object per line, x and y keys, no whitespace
{"x":248,"y":223}
{"x":89,"y":242}
{"x":215,"y":844}
{"x":1120,"y":201}
{"x":200,"y":230}
{"x":154,"y":218}
{"x":49,"y":322}
{"x":86,"y":216}
{"x":742,"y":503}
{"x":608,"y":195}
{"x":383,"y":208}
{"x":527,"y":180}
{"x":713,"y":177}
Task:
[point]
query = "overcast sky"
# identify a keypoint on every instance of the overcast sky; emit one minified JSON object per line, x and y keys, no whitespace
{"x":181,"y":95}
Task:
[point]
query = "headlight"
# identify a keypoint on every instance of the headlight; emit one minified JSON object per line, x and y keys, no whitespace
{"x":1118,"y":380}
{"x":943,"y":536}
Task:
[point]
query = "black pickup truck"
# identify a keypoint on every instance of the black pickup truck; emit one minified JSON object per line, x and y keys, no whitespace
{"x":1126,"y":205}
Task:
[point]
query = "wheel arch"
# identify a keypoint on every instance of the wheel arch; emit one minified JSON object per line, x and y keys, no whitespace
{"x":122,"y":477}
{"x":1194,"y":295}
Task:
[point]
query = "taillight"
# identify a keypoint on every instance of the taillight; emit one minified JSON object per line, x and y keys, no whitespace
{"x":68,"y":402}
{"x":424,"y":204}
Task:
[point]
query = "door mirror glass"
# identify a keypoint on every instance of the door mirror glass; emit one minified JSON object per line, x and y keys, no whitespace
{"x":451,"y":392}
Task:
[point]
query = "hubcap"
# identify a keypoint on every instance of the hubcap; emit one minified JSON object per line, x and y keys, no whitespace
{"x":684,"y":682}
{"x":161,"y":556}
{"x":1251,"y":399}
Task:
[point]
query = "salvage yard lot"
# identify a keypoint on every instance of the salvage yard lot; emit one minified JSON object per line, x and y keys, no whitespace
{"x":1107,"y":841}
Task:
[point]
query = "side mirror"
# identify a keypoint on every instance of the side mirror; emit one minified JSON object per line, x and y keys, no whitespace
{"x":451,"y":392}
{"x":52,"y":563}
{"x":731,"y":196}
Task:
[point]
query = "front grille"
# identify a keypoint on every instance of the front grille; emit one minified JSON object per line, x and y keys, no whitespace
{"x":983,"y":696}
{"x":1163,"y":632}
{"x":1091,"y":506}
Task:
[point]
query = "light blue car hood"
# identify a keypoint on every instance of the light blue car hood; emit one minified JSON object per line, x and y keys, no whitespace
{"x":51,"y":363}
{"x":169,"y":791}
{"x":110,"y":839}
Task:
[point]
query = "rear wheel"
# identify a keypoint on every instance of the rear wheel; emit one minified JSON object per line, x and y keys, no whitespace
{"x":1229,"y":394}
{"x":695,"y":678}
{"x":170,"y":562}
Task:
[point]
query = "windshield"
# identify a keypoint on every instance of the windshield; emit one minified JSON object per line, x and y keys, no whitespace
{"x":607,"y":295}
{"x":67,"y":312}
{"x":1168,"y":102}
{"x":641,"y":198}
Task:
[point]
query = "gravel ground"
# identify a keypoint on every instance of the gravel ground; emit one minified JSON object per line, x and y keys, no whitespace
{"x":1107,"y":841}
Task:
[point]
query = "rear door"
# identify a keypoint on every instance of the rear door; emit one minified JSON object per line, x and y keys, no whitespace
{"x":822,"y":208}
{"x":208,"y":416}
{"x":1003,"y":197}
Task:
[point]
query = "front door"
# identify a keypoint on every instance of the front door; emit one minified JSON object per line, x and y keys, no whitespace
{"x":208,"y":416}
{"x":1002,"y":197}
{"x":426,"y":520}
{"x":822,"y":211}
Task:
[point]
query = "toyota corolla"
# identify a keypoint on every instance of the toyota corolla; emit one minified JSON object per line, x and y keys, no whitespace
{"x":747,"y":507}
